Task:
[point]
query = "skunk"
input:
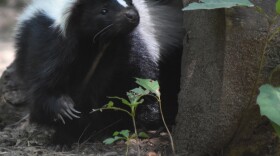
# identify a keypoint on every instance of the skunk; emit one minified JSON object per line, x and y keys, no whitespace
{"x":73,"y":54}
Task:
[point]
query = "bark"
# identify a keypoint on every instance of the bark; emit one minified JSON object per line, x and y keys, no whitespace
{"x":219,"y":69}
{"x":201,"y":89}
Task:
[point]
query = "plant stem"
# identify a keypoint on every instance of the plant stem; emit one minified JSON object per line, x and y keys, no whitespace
{"x":134,"y":125}
{"x":114,"y":108}
{"x":136,"y":134}
{"x":167,"y":129}
{"x":126,"y":153}
{"x":270,"y":35}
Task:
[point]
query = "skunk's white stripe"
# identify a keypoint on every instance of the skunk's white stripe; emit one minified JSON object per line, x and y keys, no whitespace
{"x":57,"y":10}
{"x":146,"y":29}
{"x":123,"y":3}
{"x":62,"y":20}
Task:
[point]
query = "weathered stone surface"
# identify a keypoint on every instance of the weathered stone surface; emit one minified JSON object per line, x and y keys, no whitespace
{"x":11,"y":91}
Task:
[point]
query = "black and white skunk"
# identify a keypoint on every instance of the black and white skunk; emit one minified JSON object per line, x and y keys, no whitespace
{"x":73,"y":54}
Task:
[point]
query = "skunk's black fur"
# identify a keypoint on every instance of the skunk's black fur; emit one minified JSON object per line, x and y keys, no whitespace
{"x":56,"y":52}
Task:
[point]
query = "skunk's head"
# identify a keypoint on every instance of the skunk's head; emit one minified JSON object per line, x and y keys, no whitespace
{"x":99,"y":18}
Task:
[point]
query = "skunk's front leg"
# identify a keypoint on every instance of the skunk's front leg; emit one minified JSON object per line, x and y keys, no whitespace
{"x":49,"y":82}
{"x":51,"y":109}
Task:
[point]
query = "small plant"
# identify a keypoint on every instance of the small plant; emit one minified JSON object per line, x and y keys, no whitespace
{"x":269,"y":102}
{"x":269,"y":96}
{"x":126,"y":136}
{"x":135,"y":96}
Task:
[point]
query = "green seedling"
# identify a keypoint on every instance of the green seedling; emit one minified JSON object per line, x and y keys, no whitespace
{"x":124,"y":135}
{"x":134,"y":98}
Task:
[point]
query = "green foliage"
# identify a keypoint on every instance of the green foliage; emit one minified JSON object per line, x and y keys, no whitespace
{"x":134,"y":98}
{"x":278,"y":6}
{"x":269,"y":102}
{"x":122,"y":135}
{"x":110,"y":141}
{"x":215,"y":4}
{"x":143,"y":135}
{"x":136,"y":94}
{"x":269,"y":97}
{"x":149,"y":85}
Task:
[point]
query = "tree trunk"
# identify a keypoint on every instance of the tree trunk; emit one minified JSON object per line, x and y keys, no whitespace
{"x":220,"y":63}
{"x":202,"y":72}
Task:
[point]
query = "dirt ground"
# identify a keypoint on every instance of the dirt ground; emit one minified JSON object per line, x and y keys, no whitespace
{"x":20,"y":138}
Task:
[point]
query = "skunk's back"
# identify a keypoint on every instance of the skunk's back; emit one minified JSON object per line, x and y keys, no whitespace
{"x":55,"y":10}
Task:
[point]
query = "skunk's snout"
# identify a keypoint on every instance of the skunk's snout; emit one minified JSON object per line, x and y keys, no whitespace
{"x":126,"y":20}
{"x":132,"y":16}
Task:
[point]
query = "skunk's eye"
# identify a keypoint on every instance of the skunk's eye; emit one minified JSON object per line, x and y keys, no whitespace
{"x":104,"y":11}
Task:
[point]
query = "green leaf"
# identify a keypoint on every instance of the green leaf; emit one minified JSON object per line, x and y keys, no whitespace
{"x":110,"y":104}
{"x":143,"y":135}
{"x":125,"y":133}
{"x":150,"y":85}
{"x":140,"y":91}
{"x":276,"y":128}
{"x":124,"y":101}
{"x":118,"y":138}
{"x":135,"y":94}
{"x":132,"y":97}
{"x":215,"y":4}
{"x":278,"y":7}
{"x":269,"y":102}
{"x":141,"y":101}
{"x":116,"y":133}
{"x":109,"y":141}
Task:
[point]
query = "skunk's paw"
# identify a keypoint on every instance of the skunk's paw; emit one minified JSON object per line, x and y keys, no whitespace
{"x":64,"y":108}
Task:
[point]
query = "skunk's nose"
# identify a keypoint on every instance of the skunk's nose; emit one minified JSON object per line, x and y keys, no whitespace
{"x":132,"y":16}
